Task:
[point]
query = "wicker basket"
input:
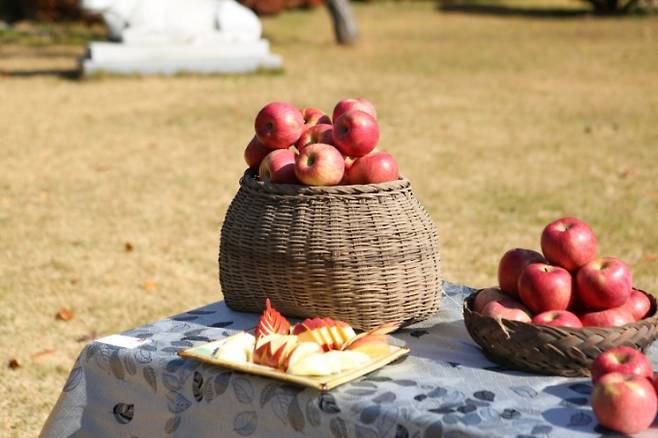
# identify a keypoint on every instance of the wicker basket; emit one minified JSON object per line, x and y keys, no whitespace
{"x":558,"y":351}
{"x":365,"y":254}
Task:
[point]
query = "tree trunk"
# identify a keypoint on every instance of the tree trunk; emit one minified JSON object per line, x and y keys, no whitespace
{"x":343,"y":20}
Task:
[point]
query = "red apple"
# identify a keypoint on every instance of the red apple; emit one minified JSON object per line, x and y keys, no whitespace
{"x":512,"y":264}
{"x":374,"y":168}
{"x":545,"y":287}
{"x":557,"y":318}
{"x":615,"y":317}
{"x":321,"y":133}
{"x":569,"y":243}
{"x":313,"y":116}
{"x":279,"y":125}
{"x":638,"y":304}
{"x":356,"y":133}
{"x":320,"y":165}
{"x":346,"y":176}
{"x":486,"y":296}
{"x":625,"y":360}
{"x":507,"y":308}
{"x":359,"y":104}
{"x":255,"y":152}
{"x":625,"y":404}
{"x":279,"y":167}
{"x":604,"y":283}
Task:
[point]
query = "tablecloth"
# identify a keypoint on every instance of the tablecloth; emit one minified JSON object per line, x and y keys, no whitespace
{"x":444,"y":388}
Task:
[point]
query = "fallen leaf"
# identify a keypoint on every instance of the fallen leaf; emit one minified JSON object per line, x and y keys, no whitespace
{"x":13,"y":364}
{"x":44,"y":196}
{"x":650,"y":257}
{"x":65,"y":314}
{"x":626,"y":173}
{"x":88,"y":337}
{"x":44,"y":354}
{"x":128,"y":247}
{"x":74,"y":280}
{"x":149,"y":285}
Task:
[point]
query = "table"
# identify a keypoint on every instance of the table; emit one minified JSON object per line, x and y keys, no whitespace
{"x":445,"y":388}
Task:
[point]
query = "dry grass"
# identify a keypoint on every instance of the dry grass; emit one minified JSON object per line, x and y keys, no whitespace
{"x":502,"y":124}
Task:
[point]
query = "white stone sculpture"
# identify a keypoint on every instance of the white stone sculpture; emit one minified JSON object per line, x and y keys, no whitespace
{"x":172,"y":36}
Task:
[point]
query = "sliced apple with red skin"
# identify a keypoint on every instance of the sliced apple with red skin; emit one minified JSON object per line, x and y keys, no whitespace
{"x":272,"y":350}
{"x":300,"y":351}
{"x":373,"y":345}
{"x":341,"y":333}
{"x":330,"y":334}
{"x":271,"y":321}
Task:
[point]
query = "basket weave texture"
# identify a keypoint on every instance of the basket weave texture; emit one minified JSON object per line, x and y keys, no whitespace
{"x":549,"y":350}
{"x":364,"y":254}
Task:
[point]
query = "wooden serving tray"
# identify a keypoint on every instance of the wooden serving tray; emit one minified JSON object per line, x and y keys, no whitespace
{"x":204,"y":353}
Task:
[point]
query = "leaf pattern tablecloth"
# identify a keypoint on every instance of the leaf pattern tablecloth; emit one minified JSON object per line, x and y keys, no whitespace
{"x":445,"y":388}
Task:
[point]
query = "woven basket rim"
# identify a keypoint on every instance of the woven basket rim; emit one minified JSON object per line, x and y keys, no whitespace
{"x":540,"y":328}
{"x":250,"y":179}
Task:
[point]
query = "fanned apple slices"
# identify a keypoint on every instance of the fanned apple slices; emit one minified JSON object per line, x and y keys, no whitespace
{"x":330,"y":334}
{"x":313,"y":347}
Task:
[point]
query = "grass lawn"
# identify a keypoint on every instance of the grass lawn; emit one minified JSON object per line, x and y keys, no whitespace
{"x":502,"y":123}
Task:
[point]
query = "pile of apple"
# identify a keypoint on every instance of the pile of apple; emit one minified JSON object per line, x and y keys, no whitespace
{"x":313,"y":347}
{"x":567,"y":286}
{"x":624,"y":397}
{"x":308,"y":147}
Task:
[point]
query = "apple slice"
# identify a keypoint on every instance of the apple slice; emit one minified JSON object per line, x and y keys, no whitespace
{"x":373,"y":345}
{"x":348,"y":359}
{"x":315,"y":330}
{"x":237,"y":348}
{"x":271,"y":321}
{"x":300,"y":351}
{"x":383,"y":329}
{"x":341,"y":333}
{"x":271,"y":349}
{"x":316,"y":364}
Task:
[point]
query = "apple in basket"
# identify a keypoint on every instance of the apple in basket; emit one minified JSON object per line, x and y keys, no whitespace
{"x":278,"y":167}
{"x":512,"y":264}
{"x":315,"y":134}
{"x":356,"y":133}
{"x":545,"y":287}
{"x":320,"y":165}
{"x":485,"y":296}
{"x":359,"y":104}
{"x":638,"y":304}
{"x":615,"y":317}
{"x":313,"y":116}
{"x":625,"y":360}
{"x":626,"y":404}
{"x":604,"y":283}
{"x":507,"y":308}
{"x":568,"y":242}
{"x":255,"y":152}
{"x":278,"y":125}
{"x":558,"y":318}
{"x":374,"y":168}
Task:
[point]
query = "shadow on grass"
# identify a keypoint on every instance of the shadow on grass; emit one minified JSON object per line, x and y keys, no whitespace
{"x":510,"y":11}
{"x":70,"y":74}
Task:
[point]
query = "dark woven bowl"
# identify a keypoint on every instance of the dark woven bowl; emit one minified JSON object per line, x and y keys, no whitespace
{"x":365,"y":254}
{"x":549,"y":350}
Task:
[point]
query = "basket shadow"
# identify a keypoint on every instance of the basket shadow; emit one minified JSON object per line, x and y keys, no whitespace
{"x":69,"y":74}
{"x":510,"y":11}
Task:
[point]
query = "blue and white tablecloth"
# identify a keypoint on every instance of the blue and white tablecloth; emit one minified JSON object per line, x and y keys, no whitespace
{"x":445,"y":388}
